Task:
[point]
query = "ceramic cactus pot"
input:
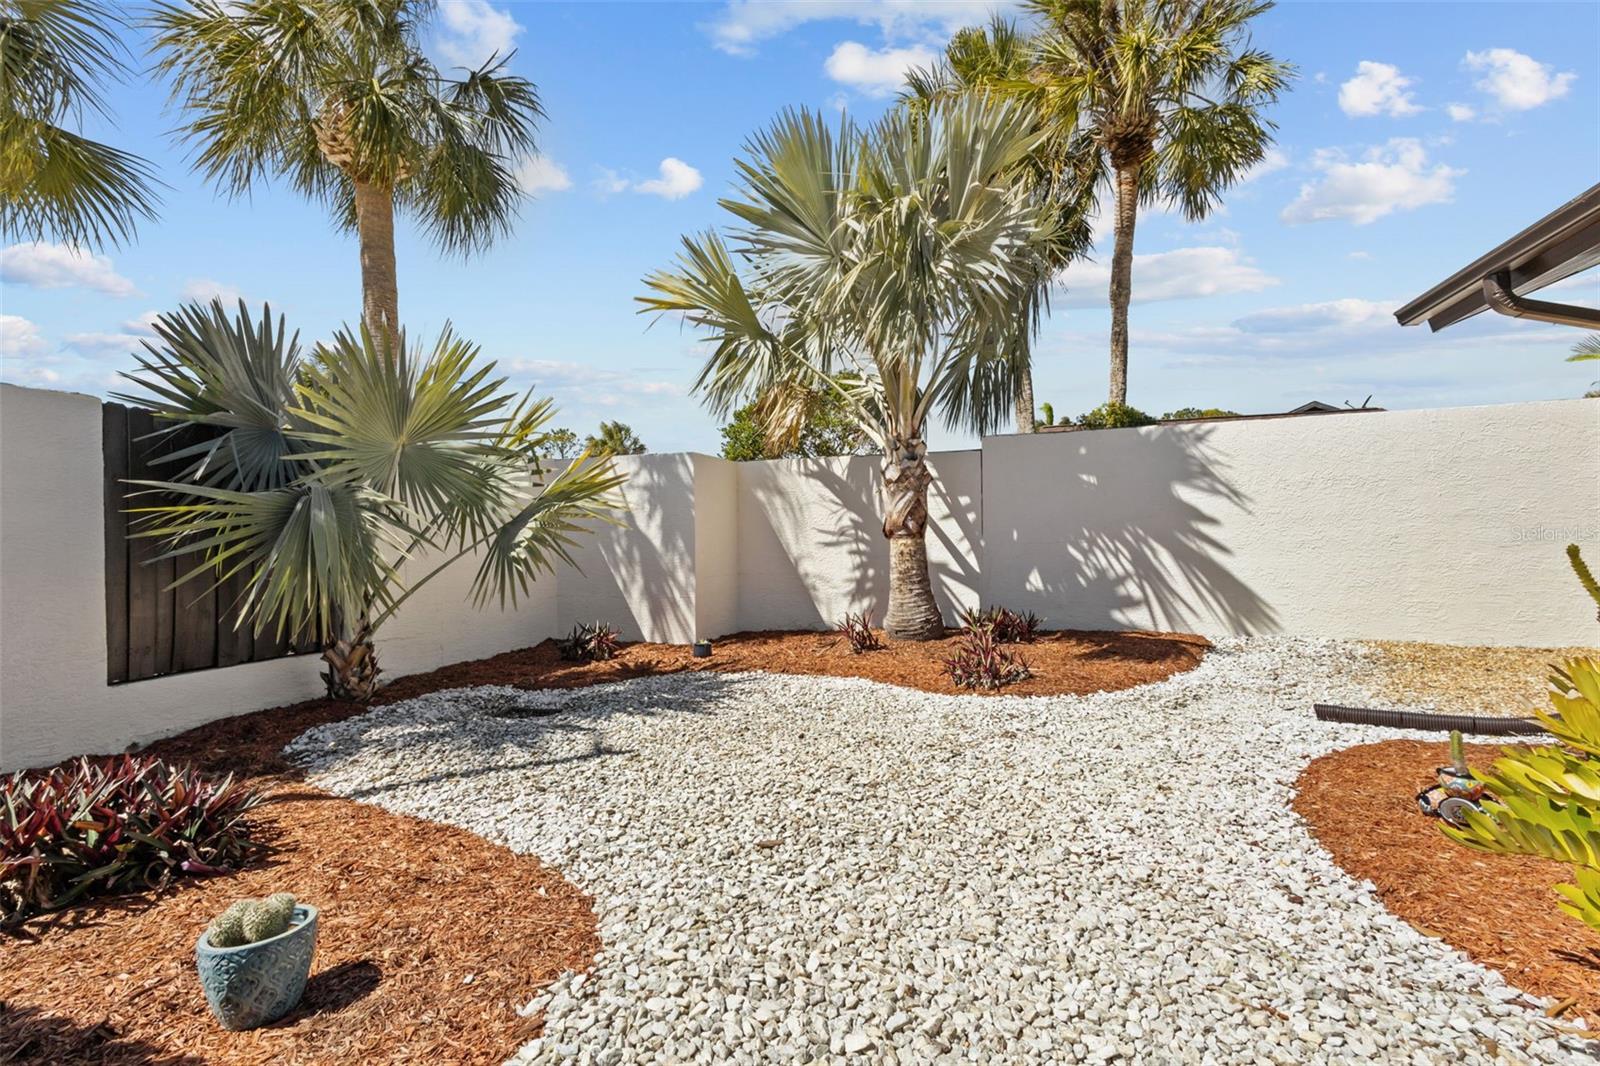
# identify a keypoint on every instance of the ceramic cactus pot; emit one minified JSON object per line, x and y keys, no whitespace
{"x":253,"y":984}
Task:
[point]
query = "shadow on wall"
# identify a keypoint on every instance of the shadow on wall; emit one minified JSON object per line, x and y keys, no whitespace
{"x":1126,"y":536}
{"x":640,"y":575}
{"x":812,"y":547}
{"x":834,"y":556}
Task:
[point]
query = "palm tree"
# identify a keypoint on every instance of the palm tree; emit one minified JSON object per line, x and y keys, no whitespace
{"x":1586,"y":349}
{"x":336,"y":97}
{"x":1172,"y":94}
{"x":323,"y":474}
{"x":614,"y":438}
{"x":999,"y":59}
{"x":886,"y":265}
{"x":54,"y":183}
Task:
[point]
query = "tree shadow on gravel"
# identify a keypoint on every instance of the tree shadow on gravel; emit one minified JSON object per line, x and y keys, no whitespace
{"x":568,"y":728}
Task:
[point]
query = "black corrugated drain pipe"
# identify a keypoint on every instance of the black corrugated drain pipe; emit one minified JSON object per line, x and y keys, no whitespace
{"x":1486,"y":725}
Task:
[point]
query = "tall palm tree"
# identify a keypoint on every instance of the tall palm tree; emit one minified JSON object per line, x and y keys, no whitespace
{"x":614,"y":438}
{"x":1587,"y":348}
{"x":323,"y":474}
{"x":337,"y":97}
{"x":1173,"y":96}
{"x":886,"y":265}
{"x":56,"y":184}
{"x":999,"y":59}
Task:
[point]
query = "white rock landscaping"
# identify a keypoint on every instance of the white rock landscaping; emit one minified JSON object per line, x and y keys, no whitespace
{"x":802,"y":869}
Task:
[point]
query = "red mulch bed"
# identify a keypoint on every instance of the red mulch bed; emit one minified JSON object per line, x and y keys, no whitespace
{"x":1499,"y":909}
{"x":410,"y":909}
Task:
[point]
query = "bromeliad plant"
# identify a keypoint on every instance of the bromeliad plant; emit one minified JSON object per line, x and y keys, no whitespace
{"x":589,"y":642}
{"x":107,"y":826}
{"x":857,"y":631}
{"x":1008,"y":626}
{"x":982,"y":662}
{"x":1547,"y":799}
{"x":325,"y":473}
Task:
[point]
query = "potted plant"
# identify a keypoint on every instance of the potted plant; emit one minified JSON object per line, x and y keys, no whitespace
{"x":254,"y":959}
{"x":702,"y":648}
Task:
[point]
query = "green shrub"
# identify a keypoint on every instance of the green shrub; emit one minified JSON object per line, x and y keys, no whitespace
{"x":1115,"y":416}
{"x":1546,"y":800}
{"x":1197,"y":412}
{"x":106,"y":826}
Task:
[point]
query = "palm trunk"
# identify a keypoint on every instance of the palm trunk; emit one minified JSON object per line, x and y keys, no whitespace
{"x":352,"y":673}
{"x":1025,"y":401}
{"x":1122,"y":277}
{"x":380,"y":292}
{"x":913,"y":614}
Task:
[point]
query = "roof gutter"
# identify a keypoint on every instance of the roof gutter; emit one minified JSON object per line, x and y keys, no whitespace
{"x":1498,"y":295}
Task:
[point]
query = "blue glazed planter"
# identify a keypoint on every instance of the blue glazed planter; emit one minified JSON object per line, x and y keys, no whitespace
{"x":253,"y":984}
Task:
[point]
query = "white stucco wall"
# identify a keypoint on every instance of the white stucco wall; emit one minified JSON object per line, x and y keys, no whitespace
{"x":54,"y":699}
{"x":1445,"y":525}
{"x":811,"y":544}
{"x":640,"y":575}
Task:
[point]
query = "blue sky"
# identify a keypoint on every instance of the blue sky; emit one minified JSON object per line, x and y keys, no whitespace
{"x":1417,"y":136}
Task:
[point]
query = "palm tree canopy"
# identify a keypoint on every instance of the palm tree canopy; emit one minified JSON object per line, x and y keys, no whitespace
{"x":54,"y":183}
{"x":886,"y":264}
{"x":324,"y":93}
{"x":1175,"y":82}
{"x":1587,"y":348}
{"x":377,"y":452}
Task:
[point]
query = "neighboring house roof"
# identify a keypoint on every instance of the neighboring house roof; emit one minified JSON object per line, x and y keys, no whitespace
{"x":1559,"y":245}
{"x":1317,"y":407}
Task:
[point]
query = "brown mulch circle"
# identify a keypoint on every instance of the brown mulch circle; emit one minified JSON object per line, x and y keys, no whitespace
{"x":429,"y":936}
{"x":1361,"y":805}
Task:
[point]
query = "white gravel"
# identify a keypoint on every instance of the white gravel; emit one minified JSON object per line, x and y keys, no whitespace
{"x":794,"y":869}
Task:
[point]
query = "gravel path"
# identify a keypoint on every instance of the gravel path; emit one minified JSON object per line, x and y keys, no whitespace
{"x":806,"y":869}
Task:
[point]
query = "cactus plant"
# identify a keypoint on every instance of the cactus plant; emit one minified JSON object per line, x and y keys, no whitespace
{"x":1458,"y":754}
{"x":1585,"y":578}
{"x":249,"y":921}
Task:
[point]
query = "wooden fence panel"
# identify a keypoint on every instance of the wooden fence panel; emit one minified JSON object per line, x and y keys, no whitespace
{"x":151,"y":629}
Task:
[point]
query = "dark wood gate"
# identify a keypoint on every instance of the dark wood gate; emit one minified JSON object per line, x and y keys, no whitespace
{"x":152,"y":630}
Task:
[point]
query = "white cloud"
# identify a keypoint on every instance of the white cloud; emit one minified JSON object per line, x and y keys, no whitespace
{"x":1390,"y":177}
{"x":472,"y":30}
{"x":60,"y":266}
{"x":1377,"y":89}
{"x":20,"y":339}
{"x":678,"y":179}
{"x":204,"y":290}
{"x":743,"y":24}
{"x":1358,"y":255}
{"x":144,"y":323}
{"x":591,"y":385}
{"x":539,"y":174}
{"x":106,"y":345}
{"x":877,"y":72}
{"x":1460,"y":112}
{"x":1347,"y":314}
{"x":1274,"y":160}
{"x":1517,"y":82}
{"x":1176,"y":275}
